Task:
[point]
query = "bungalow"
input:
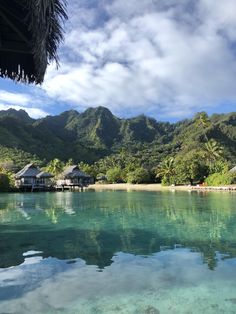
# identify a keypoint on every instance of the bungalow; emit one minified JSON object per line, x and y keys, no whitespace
{"x":72,"y":176}
{"x":30,"y":178}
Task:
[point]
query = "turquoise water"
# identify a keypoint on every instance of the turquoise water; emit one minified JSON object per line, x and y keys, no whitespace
{"x":118,"y":252}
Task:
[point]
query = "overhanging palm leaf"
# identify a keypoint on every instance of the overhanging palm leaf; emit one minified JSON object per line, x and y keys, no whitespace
{"x":34,"y":30}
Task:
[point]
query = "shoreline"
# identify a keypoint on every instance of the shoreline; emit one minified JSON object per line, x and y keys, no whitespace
{"x":159,"y":187}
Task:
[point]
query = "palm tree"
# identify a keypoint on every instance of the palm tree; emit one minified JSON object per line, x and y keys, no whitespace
{"x":55,"y":166}
{"x":213,"y":152}
{"x":166,"y":170}
{"x":203,"y":122}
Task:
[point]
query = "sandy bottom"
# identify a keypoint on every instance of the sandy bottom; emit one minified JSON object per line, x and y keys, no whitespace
{"x":168,"y":282}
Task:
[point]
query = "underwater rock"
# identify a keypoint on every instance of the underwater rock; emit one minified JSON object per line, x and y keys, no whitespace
{"x":151,"y":310}
{"x":232,"y":300}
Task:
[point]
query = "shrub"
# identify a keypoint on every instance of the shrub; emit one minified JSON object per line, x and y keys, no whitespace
{"x":218,"y":178}
{"x":114,"y":175}
{"x":4,"y":182}
{"x":101,"y":177}
{"x":166,"y":181}
{"x":140,"y":175}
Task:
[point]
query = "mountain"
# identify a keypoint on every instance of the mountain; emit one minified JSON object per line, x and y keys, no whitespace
{"x":96,"y":132}
{"x":16,"y":114}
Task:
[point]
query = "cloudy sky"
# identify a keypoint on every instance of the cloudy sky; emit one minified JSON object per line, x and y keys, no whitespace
{"x":166,"y":58}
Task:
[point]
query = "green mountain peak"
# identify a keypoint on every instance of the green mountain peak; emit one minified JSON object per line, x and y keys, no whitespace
{"x":96,"y":132}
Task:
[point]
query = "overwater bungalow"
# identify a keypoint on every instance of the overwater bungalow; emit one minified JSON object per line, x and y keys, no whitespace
{"x":30,"y":178}
{"x":73,"y":177}
{"x":30,"y":32}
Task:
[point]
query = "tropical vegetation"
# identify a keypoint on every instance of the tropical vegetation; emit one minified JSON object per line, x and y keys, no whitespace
{"x":135,"y":150}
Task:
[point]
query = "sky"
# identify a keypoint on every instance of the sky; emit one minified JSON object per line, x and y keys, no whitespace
{"x":165,"y":58}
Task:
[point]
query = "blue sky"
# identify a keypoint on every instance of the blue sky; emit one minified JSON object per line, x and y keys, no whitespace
{"x":165,"y":58}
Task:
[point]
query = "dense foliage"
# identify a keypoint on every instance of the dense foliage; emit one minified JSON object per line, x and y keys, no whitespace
{"x":6,"y":178}
{"x":121,"y":150}
{"x":4,"y":182}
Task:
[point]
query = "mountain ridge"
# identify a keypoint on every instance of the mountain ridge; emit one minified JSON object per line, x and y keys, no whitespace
{"x":96,"y":132}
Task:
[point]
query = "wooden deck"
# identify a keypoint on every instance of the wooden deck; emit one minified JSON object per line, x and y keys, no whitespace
{"x":71,"y":187}
{"x":35,"y":188}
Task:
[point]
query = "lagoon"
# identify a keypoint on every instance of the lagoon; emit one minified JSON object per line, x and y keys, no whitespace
{"x":118,"y":252}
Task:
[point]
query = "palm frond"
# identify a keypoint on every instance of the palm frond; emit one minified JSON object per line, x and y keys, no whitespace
{"x":44,"y":21}
{"x":41,"y":24}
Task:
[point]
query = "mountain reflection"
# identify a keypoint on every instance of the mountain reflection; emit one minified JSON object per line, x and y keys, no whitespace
{"x":95,"y":226}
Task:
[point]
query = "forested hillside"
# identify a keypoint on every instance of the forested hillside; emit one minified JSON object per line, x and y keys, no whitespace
{"x":96,"y":133}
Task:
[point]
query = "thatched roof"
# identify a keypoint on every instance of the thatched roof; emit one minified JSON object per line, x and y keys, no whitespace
{"x":30,"y":32}
{"x":72,"y":172}
{"x":233,"y":170}
{"x":43,"y":174}
{"x":29,"y":171}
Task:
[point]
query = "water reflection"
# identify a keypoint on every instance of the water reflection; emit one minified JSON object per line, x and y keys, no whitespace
{"x":171,"y":281}
{"x":95,"y":226}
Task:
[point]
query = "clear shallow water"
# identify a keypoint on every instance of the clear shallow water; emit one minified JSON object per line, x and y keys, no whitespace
{"x":118,"y":252}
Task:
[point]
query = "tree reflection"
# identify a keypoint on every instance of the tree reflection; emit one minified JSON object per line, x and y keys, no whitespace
{"x":95,"y":226}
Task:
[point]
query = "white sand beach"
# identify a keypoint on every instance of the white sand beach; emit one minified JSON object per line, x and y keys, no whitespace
{"x":158,"y":187}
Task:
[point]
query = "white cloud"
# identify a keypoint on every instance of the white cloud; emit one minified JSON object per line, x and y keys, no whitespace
{"x":159,"y":57}
{"x":32,"y":112}
{"x":30,"y":103}
{"x":130,"y":283}
{"x":14,"y":98}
